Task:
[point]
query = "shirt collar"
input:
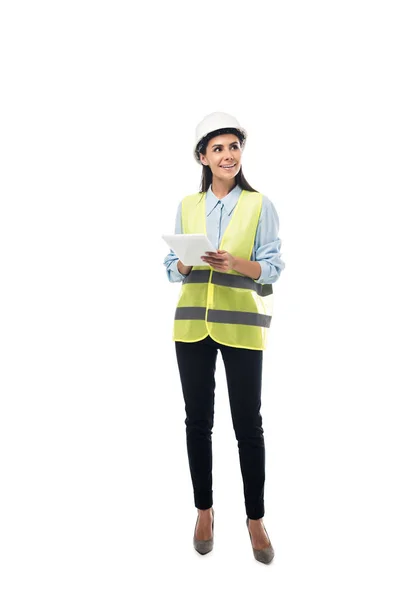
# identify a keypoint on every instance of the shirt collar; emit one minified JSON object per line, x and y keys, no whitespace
{"x":229,"y":201}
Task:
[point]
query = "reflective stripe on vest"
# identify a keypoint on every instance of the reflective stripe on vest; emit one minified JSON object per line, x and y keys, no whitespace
{"x":237,"y":281}
{"x":223,"y":316}
{"x":230,"y":307}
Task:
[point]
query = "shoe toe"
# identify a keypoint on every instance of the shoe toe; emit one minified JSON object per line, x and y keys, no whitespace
{"x":203,"y":546}
{"x":265,"y":555}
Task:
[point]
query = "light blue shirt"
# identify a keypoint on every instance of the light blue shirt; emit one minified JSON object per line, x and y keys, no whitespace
{"x":267,"y":244}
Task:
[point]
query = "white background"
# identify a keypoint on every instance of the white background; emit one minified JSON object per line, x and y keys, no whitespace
{"x":99,"y":105}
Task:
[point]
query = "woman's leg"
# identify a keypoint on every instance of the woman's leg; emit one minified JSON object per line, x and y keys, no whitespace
{"x":196,"y":362}
{"x":244,"y":378}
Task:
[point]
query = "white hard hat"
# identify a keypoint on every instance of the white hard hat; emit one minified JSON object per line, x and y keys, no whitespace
{"x":212,"y":122}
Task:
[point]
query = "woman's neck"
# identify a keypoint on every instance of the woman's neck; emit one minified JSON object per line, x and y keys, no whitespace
{"x":220,"y":189}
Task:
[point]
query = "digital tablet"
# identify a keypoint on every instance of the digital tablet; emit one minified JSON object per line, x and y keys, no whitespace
{"x":190,"y":247}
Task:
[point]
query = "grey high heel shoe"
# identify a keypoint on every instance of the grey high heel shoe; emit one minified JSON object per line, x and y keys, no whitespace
{"x":204,"y":546}
{"x":265,"y":555}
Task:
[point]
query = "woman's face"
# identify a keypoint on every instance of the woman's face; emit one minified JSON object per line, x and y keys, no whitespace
{"x":223,"y":156}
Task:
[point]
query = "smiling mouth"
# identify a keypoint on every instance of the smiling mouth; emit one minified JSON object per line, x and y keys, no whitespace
{"x":228,"y":166}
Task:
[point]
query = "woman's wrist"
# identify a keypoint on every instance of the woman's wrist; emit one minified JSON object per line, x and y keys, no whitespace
{"x":251,"y":268}
{"x":183,"y":269}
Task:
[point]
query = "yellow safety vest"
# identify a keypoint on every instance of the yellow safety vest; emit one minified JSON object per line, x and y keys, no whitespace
{"x":230,"y":307}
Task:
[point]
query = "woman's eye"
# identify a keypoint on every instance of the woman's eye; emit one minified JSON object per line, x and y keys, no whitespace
{"x":235,"y":147}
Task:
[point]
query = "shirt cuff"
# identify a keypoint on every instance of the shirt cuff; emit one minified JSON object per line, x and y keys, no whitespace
{"x":173,"y":274}
{"x":259,"y":280}
{"x":269,"y":273}
{"x":265,"y":272}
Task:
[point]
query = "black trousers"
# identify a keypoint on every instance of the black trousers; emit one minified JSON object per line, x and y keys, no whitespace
{"x":243,"y":368}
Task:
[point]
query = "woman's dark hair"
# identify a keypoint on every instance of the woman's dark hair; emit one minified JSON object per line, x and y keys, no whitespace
{"x":206,"y":177}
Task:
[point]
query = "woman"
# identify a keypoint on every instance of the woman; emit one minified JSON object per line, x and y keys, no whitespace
{"x":225,"y":305}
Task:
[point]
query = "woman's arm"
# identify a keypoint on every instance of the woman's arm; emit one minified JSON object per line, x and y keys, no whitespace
{"x":251,"y":268}
{"x":171,"y":261}
{"x":267,"y":246}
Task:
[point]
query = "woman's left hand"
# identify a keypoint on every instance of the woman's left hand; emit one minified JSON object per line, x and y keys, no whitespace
{"x":220,"y":261}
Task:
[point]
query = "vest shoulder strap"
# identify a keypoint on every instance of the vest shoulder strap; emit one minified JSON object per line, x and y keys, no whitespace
{"x":193,"y":198}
